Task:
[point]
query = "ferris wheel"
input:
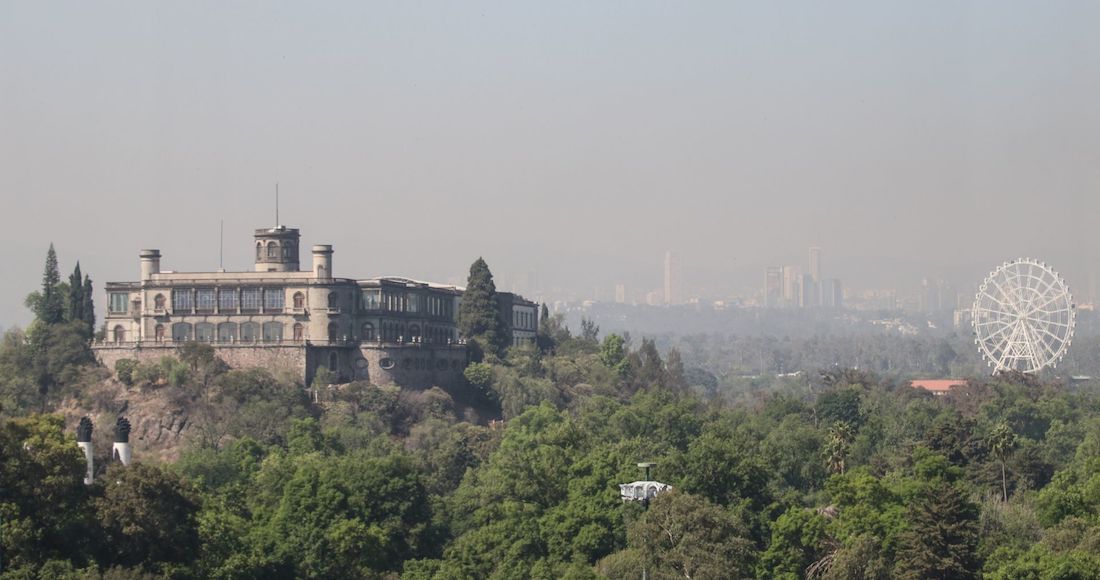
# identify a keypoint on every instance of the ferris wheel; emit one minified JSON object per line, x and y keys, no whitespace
{"x":1023,"y":317}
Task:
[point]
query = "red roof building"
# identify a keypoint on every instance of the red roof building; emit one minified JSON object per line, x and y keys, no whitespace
{"x":937,"y":386}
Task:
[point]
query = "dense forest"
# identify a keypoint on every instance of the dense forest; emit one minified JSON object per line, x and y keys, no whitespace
{"x":833,"y":473}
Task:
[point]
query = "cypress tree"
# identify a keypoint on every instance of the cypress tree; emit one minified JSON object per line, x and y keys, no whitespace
{"x":76,"y":295}
{"x":478,"y":316}
{"x":51,"y":307}
{"x":88,"y":307}
{"x":942,"y":539}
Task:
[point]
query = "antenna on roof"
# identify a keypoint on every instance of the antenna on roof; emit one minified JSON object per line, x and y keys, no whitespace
{"x":276,"y":204}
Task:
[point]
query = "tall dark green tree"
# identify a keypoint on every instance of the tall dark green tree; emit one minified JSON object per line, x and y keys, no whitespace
{"x":50,"y":307}
{"x":942,"y":539}
{"x":87,"y":308}
{"x":75,"y":307}
{"x":478,"y":315}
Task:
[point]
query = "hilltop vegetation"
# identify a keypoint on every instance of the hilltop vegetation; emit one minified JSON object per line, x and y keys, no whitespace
{"x":842,"y":475}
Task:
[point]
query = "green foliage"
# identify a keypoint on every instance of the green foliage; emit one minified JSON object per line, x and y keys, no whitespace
{"x":478,"y":315}
{"x":49,"y":308}
{"x":124,"y":370}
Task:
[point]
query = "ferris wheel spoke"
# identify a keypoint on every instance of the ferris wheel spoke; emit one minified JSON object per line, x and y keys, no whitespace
{"x":1013,"y":305}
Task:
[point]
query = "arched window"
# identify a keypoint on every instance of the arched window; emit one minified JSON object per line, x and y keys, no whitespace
{"x":299,"y":300}
{"x":227,"y":332}
{"x":181,"y":332}
{"x":273,"y":332}
{"x":298,"y":331}
{"x":204,"y":332}
{"x":321,"y":272}
{"x":158,"y":333}
{"x":333,"y":331}
{"x":333,"y":299}
{"x":272,"y":250}
{"x":414,"y":330}
{"x":259,"y":250}
{"x":119,"y":334}
{"x":367,"y":332}
{"x":287,"y":248}
{"x":158,"y":302}
{"x":250,"y":331}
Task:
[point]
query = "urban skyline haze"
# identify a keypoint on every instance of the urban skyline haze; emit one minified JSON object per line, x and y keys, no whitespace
{"x":571,"y":144}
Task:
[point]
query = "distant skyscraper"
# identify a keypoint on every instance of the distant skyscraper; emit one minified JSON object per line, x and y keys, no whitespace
{"x":773,"y":286}
{"x":815,"y":264}
{"x":792,"y":286}
{"x":620,"y":294}
{"x":670,"y":298}
{"x":832,"y":294}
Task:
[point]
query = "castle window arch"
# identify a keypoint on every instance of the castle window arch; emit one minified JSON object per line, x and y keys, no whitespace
{"x":367,"y":331}
{"x":204,"y":332}
{"x":158,"y":333}
{"x":299,"y":300}
{"x":227,"y":332}
{"x":333,"y":331}
{"x":181,"y":332}
{"x":158,"y":301}
{"x":414,"y":330}
{"x":298,"y":331}
{"x":272,"y":250}
{"x":259,"y":250}
{"x":249,"y":331}
{"x":333,"y":299}
{"x":119,"y":334}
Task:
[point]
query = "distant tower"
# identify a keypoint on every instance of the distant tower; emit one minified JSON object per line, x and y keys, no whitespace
{"x":669,"y":298}
{"x":277,"y":249}
{"x":773,"y":286}
{"x":815,"y":264}
{"x":84,"y":442}
{"x":150,"y":264}
{"x":322,"y":261}
{"x":121,"y":449}
{"x":620,"y":294}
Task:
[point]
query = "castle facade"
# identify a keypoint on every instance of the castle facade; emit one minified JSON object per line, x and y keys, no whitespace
{"x":279,"y":316}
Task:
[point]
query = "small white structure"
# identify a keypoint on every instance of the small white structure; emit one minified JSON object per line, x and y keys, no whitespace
{"x":642,"y":490}
{"x":84,"y":441}
{"x":121,"y":448}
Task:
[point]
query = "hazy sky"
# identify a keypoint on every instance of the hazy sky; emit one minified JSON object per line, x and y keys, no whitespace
{"x":578,"y":140}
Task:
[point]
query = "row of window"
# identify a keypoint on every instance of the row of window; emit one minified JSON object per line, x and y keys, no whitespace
{"x":273,"y":250}
{"x":273,"y":332}
{"x":414,"y":302}
{"x":523,"y":319}
{"x":253,"y":299}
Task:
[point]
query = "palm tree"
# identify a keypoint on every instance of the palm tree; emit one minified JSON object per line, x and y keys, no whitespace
{"x":840,"y":439}
{"x":1001,"y":441}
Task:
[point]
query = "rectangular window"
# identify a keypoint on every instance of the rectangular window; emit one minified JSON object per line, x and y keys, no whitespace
{"x":227,"y":299}
{"x":372,"y":299}
{"x":120,"y":302}
{"x":250,"y":299}
{"x":204,"y":299}
{"x":274,"y":298}
{"x":183,"y":300}
{"x":273,"y":332}
{"x":413,"y":300}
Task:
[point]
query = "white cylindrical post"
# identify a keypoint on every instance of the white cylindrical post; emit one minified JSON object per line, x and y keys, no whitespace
{"x":121,"y":452}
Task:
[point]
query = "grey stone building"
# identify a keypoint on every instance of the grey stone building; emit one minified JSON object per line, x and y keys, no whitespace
{"x":385,"y":330}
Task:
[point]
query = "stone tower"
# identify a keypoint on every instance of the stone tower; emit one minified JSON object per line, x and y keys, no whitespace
{"x":277,"y":249}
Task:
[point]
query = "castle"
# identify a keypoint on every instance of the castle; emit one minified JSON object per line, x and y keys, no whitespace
{"x":383,"y":330}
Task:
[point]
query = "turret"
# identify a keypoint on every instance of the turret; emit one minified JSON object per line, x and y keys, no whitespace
{"x":121,"y":449}
{"x":84,"y":442}
{"x":277,"y":249}
{"x":322,"y":262}
{"x":150,"y":264}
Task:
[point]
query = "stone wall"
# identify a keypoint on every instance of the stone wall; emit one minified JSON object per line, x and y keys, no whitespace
{"x":414,"y":366}
{"x":281,"y":357}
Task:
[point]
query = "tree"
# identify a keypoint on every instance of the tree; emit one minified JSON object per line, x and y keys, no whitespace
{"x":590,"y":331}
{"x":51,"y":307}
{"x":148,"y":516}
{"x":75,"y":306}
{"x":683,"y":535}
{"x":1001,"y":441}
{"x":613,"y":354}
{"x":478,"y":314}
{"x":837,"y":445}
{"x":88,"y":307}
{"x":942,"y":539}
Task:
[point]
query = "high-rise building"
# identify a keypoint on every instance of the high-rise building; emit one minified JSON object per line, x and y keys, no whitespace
{"x":773,"y":286}
{"x":620,"y":294}
{"x":815,"y":264}
{"x":670,"y":289}
{"x":832,"y":294}
{"x":792,"y":286}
